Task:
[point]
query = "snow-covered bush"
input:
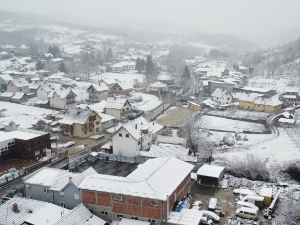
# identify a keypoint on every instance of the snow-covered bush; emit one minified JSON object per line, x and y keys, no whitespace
{"x":252,"y":168}
{"x":294,"y":170}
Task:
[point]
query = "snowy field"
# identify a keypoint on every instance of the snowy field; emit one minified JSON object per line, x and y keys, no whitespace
{"x":219,"y":123}
{"x":275,"y":150}
{"x":240,"y":114}
{"x":149,"y":101}
{"x":13,"y":109}
{"x":260,"y":82}
{"x":123,"y":77}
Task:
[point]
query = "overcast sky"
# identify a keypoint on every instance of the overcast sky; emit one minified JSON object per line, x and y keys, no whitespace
{"x":243,"y":18}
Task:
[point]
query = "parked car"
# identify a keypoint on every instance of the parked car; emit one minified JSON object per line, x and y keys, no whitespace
{"x":241,"y":204}
{"x":254,"y":199}
{"x":55,"y":130}
{"x":54,"y":138}
{"x":211,"y":215}
{"x":197,"y":205}
{"x":247,"y":213}
{"x":213,"y":202}
{"x":70,"y":143}
{"x":54,"y":123}
{"x":206,"y":221}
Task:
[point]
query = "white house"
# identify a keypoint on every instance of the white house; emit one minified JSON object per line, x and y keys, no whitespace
{"x":44,"y":90}
{"x":62,"y":99}
{"x":222,"y":96}
{"x":134,"y":136}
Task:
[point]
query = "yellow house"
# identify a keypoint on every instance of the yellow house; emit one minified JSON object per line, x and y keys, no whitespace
{"x":81,"y":122}
{"x":249,"y":101}
{"x":117,"y":107}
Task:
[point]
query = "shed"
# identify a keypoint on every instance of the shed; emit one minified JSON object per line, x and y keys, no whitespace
{"x":267,"y":194}
{"x":210,"y":175}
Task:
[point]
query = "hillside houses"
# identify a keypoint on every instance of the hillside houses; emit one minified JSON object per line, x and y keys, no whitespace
{"x":121,"y":88}
{"x":134,"y":136}
{"x":97,"y":92}
{"x":81,"y":122}
{"x":123,"y":66}
{"x":18,"y":85}
{"x":62,"y":99}
{"x":117,"y":107}
{"x":44,"y":90}
{"x":222,"y":96}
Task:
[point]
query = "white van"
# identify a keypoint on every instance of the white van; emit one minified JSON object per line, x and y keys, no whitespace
{"x":243,"y":193}
{"x":241,"y":204}
{"x":256,"y":200}
{"x":247,"y":213}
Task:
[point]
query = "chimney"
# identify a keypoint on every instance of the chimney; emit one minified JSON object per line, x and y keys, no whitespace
{"x":70,"y":178}
{"x":15,"y":207}
{"x":153,"y":123}
{"x":136,"y":126}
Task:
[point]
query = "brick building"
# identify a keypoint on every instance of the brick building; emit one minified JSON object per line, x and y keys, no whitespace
{"x":24,"y":144}
{"x":147,"y":194}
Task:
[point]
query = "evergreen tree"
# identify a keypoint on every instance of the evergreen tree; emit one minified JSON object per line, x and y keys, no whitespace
{"x":138,"y":65}
{"x":62,"y":67}
{"x":54,"y":50}
{"x":142,"y":65}
{"x":150,"y":69}
{"x":109,"y":55}
{"x":39,"y":65}
{"x":186,"y":73}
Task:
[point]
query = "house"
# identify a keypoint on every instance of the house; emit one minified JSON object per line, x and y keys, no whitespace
{"x":55,"y":186}
{"x":20,"y":211}
{"x":4,"y":79}
{"x":18,"y":85}
{"x":118,"y":67}
{"x":166,"y":79}
{"x":6,"y":96}
{"x":81,"y":122}
{"x":121,"y":88}
{"x":158,"y":87}
{"x":24,"y":144}
{"x":34,"y":85}
{"x":117,"y":107}
{"x":44,"y":90}
{"x":291,"y":95}
{"x":109,"y":82}
{"x":55,"y":77}
{"x":121,"y":66}
{"x":264,"y":92}
{"x":147,"y":194}
{"x":213,"y":85}
{"x":20,"y":63}
{"x":258,"y":103}
{"x":19,"y":97}
{"x":47,"y":56}
{"x":222,"y":96}
{"x":62,"y":99}
{"x":97,"y":92}
{"x":134,"y":136}
{"x":214,"y":75}
{"x":26,"y":121}
{"x":56,"y":60}
{"x":194,"y":106}
{"x":210,"y":175}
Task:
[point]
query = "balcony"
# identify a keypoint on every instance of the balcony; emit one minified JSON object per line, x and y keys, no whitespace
{"x":71,"y":102}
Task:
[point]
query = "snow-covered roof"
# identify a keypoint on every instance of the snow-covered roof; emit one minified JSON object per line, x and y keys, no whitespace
{"x":26,"y":208}
{"x":7,"y":94}
{"x":99,"y":87}
{"x":272,"y":101}
{"x":6,"y":77}
{"x":158,"y":84}
{"x":290,"y":96}
{"x":292,"y":89}
{"x":124,"y":85}
{"x":49,"y":87}
{"x":35,"y":84}
{"x":214,"y":74}
{"x":80,"y":215}
{"x":186,"y":217}
{"x":26,"y":121}
{"x":18,"y":95}
{"x":57,"y":60}
{"x":218,"y":93}
{"x":171,"y":140}
{"x":76,"y":115}
{"x":126,"y":221}
{"x":266,"y":192}
{"x":168,"y":150}
{"x":105,"y":117}
{"x":23,"y":135}
{"x":284,"y":120}
{"x":20,"y":82}
{"x":210,"y":170}
{"x":48,"y":55}
{"x":108,"y":80}
{"x":155,"y":179}
{"x":165,"y":77}
{"x":254,"y":89}
{"x":115,"y":103}
{"x":62,"y":94}
{"x":55,"y":76}
{"x":194,"y":103}
{"x":247,"y":97}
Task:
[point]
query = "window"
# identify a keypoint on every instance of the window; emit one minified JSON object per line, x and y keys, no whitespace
{"x":97,"y":122}
{"x":127,"y":135}
{"x":123,"y":110}
{"x":154,"y":203}
{"x":228,"y":98}
{"x":37,"y":152}
{"x":85,"y":132}
{"x":151,"y":221}
{"x":44,"y":150}
{"x":46,"y":191}
{"x":62,"y":205}
{"x":45,"y":141}
{"x":118,"y":197}
{"x":127,"y":109}
{"x":29,"y":148}
{"x":149,"y":135}
{"x":11,"y":85}
{"x":37,"y":144}
{"x":76,"y":196}
{"x":27,"y":186}
{"x":134,"y":218}
{"x":148,"y":144}
{"x":119,"y":216}
{"x":62,"y":194}
{"x":20,"y":89}
{"x":120,"y":89}
{"x":114,"y":88}
{"x":139,"y":142}
{"x":103,"y":213}
{"x":120,"y":135}
{"x":97,"y":130}
{"x":91,"y":130}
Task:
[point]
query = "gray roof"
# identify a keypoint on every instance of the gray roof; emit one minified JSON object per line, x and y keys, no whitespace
{"x":115,"y":103}
{"x":76,"y":115}
{"x":218,"y":93}
{"x":101,"y":87}
{"x":61,"y":93}
{"x":20,"y":82}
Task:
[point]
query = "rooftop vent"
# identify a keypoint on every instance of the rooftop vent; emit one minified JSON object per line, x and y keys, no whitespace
{"x":15,"y":207}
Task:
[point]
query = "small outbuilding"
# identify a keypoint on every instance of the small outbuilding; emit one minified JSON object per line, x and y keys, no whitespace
{"x":210,"y":175}
{"x":267,"y":194}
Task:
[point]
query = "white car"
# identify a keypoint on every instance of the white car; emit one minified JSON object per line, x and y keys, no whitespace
{"x":213,"y":202}
{"x":206,"y":221}
{"x":55,"y":130}
{"x":197,"y":205}
{"x":54,"y":123}
{"x":54,"y":138}
{"x":70,"y":143}
{"x":211,"y":215}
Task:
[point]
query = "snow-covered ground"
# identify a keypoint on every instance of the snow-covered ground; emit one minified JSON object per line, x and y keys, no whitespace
{"x":276,"y":150}
{"x":260,"y":82}
{"x":149,"y":101}
{"x":240,"y":114}
{"x":123,"y":77}
{"x":14,"y":109}
{"x":219,"y":123}
{"x":201,"y":45}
